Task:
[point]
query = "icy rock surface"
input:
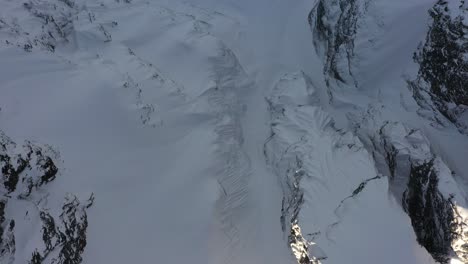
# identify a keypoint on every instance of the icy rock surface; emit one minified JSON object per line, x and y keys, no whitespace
{"x":442,"y":79}
{"x":428,"y":192}
{"x":423,"y":175}
{"x":26,"y":170}
{"x":330,"y":184}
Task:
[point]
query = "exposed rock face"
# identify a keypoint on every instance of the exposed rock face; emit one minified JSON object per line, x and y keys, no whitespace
{"x":7,"y":237}
{"x":64,"y":241}
{"x":427,"y":191}
{"x":431,"y":215}
{"x":335,"y":25}
{"x":26,"y":170}
{"x":442,"y":81}
{"x":300,"y":246}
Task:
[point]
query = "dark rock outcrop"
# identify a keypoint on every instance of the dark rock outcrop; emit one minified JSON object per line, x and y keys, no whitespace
{"x":442,"y":81}
{"x":433,"y":208}
{"x":334,"y":25}
{"x":26,"y":170}
{"x":7,"y":238}
{"x":431,"y":214}
{"x":64,"y":241}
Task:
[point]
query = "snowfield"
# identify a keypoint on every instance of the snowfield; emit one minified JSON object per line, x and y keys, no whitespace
{"x":219,"y":131}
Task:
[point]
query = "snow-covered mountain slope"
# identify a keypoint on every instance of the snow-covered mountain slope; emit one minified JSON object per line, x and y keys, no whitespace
{"x":382,"y":104}
{"x":334,"y":195}
{"x":221,"y":131}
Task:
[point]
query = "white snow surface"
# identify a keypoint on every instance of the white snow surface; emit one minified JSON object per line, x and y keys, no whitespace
{"x":165,"y":121}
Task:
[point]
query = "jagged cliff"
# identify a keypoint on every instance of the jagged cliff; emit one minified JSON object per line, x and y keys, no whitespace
{"x":336,"y":27}
{"x":335,"y":24}
{"x":442,"y":81}
{"x":26,"y":171}
{"x":418,"y":177}
{"x":427,"y":191}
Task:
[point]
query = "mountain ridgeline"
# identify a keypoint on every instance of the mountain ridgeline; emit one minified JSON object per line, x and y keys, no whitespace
{"x":26,"y":171}
{"x":417,"y":176}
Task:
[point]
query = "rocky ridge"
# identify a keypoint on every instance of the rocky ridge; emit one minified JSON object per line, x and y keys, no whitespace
{"x":26,"y":171}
